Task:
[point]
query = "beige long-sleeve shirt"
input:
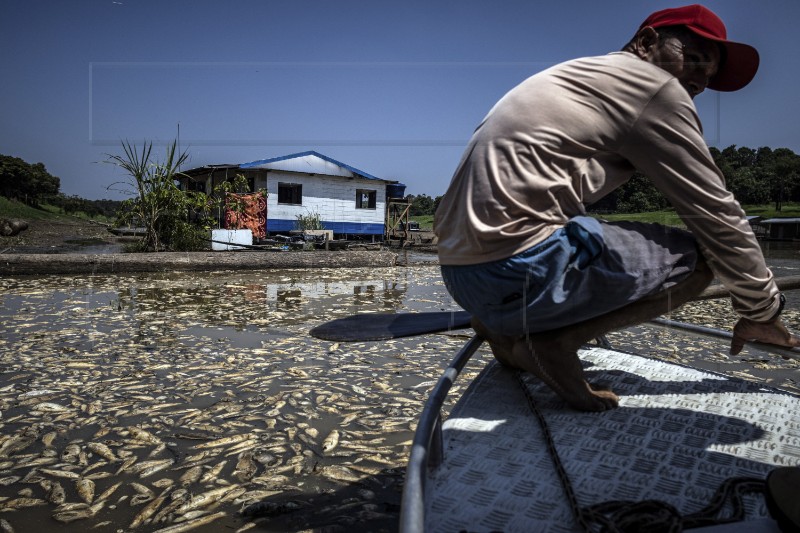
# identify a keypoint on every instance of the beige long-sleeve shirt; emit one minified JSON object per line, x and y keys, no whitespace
{"x":571,"y":134}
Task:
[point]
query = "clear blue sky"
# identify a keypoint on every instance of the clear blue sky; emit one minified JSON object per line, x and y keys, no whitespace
{"x":392,"y":88}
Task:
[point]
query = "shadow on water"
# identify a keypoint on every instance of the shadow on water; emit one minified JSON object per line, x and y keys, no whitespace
{"x":369,"y":504}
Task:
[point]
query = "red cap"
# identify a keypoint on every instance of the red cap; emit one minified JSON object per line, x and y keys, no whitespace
{"x":740,"y":60}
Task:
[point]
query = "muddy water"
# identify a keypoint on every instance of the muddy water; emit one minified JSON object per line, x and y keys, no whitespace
{"x":219,"y":371}
{"x":199,"y":399}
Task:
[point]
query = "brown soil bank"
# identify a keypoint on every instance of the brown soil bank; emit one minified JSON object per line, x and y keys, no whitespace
{"x":33,"y":264}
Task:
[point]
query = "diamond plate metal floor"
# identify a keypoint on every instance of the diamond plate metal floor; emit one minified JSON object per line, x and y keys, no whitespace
{"x":677,"y":435}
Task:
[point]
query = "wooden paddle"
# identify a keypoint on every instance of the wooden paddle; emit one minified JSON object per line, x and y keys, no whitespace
{"x":385,"y":326}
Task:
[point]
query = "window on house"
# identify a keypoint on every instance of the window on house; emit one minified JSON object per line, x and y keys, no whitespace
{"x":290,"y":193}
{"x":199,"y":185}
{"x":365,"y":198}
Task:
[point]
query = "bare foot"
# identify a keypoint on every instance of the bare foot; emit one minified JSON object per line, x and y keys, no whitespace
{"x":561,"y":370}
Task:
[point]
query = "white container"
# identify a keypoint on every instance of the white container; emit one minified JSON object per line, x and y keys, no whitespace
{"x":227,"y":239}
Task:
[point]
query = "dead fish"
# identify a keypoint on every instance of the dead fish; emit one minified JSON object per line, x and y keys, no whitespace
{"x":213,"y":473}
{"x":243,"y":446}
{"x":49,"y":438}
{"x":143,"y":435}
{"x":5,"y":527}
{"x":106,"y":494}
{"x":349,"y":418}
{"x":246,"y":467}
{"x":205,"y":499}
{"x":360,"y":391}
{"x":50,"y":407}
{"x":33,"y":462}
{"x":340,"y":473}
{"x":102,"y":432}
{"x":188,"y":526}
{"x":55,"y":492}
{"x":21,"y":503}
{"x":330,"y":441}
{"x":34,"y":394}
{"x":225,"y":441}
{"x":148,"y":510}
{"x":191,"y":476}
{"x":85,"y":488}
{"x":158,"y":450}
{"x":71,"y":453}
{"x":66,"y":474}
{"x":78,"y":513}
{"x":253,"y":496}
{"x":126,"y":464}
{"x":168,"y":510}
{"x":17,"y":442}
{"x":144,"y":494}
{"x":98,"y":475}
{"x":297,"y":372}
{"x":148,"y":468}
{"x":103,"y":451}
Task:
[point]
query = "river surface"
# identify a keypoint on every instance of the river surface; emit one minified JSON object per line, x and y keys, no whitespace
{"x":140,"y":402}
{"x":172,"y":388}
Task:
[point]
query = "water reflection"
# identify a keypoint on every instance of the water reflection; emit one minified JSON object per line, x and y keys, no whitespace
{"x":193,"y":358}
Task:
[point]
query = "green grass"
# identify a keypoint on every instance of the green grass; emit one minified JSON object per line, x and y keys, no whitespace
{"x":13,"y":209}
{"x":662,"y":217}
{"x":788,"y":210}
{"x":667,"y":217}
{"x":425,"y":221}
{"x":670,"y":218}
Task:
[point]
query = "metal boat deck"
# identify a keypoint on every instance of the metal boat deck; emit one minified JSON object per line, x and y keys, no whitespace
{"x":678,"y":434}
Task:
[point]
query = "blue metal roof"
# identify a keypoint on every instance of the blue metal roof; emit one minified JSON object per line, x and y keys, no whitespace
{"x":270,"y":163}
{"x":788,"y":220}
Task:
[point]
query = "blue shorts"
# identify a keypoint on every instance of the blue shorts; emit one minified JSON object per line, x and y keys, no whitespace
{"x":583,"y":270}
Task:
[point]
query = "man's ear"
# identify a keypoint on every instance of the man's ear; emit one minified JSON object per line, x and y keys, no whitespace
{"x":645,"y":42}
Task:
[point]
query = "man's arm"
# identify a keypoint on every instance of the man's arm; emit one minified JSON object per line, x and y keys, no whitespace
{"x":667,"y":145}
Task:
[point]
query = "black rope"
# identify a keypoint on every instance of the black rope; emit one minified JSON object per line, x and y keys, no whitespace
{"x":653,"y":516}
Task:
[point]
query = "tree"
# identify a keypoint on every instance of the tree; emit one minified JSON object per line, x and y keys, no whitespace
{"x":421,"y":205}
{"x":157,"y":203}
{"x":784,"y":168}
{"x":746,"y":186}
{"x":29,"y":183}
{"x":436,"y":202}
{"x":638,"y":195}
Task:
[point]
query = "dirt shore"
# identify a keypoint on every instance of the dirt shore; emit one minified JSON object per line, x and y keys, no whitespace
{"x":60,"y":235}
{"x":74,"y":246}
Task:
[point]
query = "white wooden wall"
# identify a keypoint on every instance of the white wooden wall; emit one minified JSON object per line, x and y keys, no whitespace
{"x":334,"y":198}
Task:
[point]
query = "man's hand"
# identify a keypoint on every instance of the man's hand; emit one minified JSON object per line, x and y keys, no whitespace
{"x":772,"y":332}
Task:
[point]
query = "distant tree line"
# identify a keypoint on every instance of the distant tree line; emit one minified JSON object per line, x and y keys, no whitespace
{"x":422,"y":204}
{"x":33,"y":185}
{"x":754,"y":176}
{"x":28,"y":183}
{"x":74,"y":204}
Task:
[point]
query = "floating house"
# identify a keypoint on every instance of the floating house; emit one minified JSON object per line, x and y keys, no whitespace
{"x":779,"y":229}
{"x":348,"y":201}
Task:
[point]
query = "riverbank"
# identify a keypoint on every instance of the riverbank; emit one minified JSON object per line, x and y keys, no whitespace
{"x":35,"y":264}
{"x":58,"y":234}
